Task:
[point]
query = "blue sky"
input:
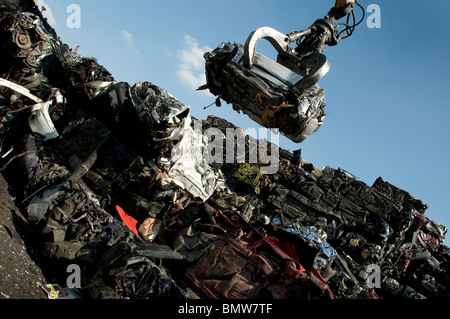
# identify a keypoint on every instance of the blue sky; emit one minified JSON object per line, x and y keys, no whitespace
{"x":387,"y":103}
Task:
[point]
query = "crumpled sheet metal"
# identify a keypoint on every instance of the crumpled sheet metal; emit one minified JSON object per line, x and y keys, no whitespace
{"x":237,"y":269}
{"x":299,"y":233}
{"x":315,"y":237}
{"x":190,"y":169}
{"x":157,"y":106}
{"x":262,"y":97}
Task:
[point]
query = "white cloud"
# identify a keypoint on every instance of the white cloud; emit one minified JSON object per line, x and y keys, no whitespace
{"x":191,"y":70}
{"x":129,"y":38}
{"x":47,"y":13}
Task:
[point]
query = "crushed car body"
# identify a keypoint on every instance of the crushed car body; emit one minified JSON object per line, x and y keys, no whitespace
{"x":269,"y":101}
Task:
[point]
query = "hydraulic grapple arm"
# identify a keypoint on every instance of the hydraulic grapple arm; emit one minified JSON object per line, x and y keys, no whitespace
{"x":284,"y":93}
{"x":307,"y":59}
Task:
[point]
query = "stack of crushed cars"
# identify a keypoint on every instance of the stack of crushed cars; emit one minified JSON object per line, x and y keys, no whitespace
{"x":106,"y":173}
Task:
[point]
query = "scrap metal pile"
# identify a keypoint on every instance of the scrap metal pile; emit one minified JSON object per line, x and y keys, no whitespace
{"x":107,"y":174}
